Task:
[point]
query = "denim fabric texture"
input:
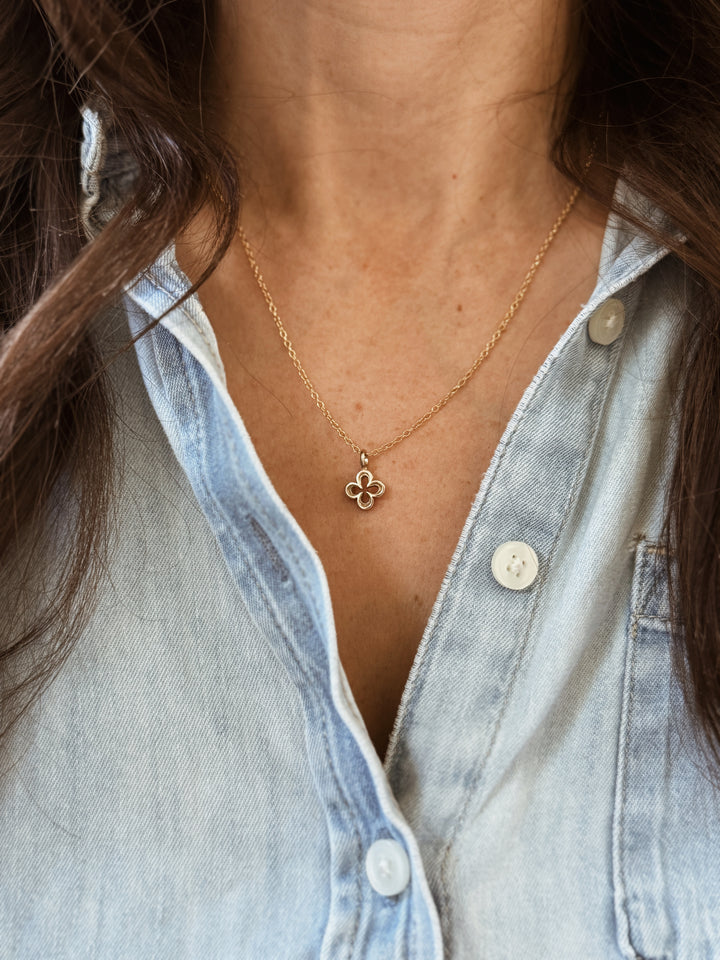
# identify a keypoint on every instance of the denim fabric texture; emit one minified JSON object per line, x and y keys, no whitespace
{"x":197,"y":782}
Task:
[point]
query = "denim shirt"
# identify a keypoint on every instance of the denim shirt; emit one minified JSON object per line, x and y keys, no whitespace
{"x":197,"y":781}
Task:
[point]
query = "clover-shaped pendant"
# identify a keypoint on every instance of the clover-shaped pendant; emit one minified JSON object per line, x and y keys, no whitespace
{"x":364,"y":488}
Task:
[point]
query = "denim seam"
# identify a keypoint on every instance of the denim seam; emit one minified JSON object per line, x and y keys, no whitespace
{"x":642,"y":577}
{"x":650,"y":582}
{"x":199,"y":329}
{"x":602,"y":387}
{"x":260,"y":509}
{"x":645,"y":587}
{"x":629,"y":709}
{"x":173,"y":295}
{"x":623,"y":805}
{"x":357,"y":900}
{"x":411,"y":934}
{"x":220,"y":513}
{"x":91,"y":181}
{"x":193,"y":321}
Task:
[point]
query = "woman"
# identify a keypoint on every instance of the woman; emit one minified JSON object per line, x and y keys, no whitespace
{"x":329,"y":631}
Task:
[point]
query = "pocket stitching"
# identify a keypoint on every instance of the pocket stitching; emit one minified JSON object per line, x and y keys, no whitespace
{"x":642,"y":586}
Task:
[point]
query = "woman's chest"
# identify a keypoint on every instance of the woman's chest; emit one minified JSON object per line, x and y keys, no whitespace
{"x":384,"y":565}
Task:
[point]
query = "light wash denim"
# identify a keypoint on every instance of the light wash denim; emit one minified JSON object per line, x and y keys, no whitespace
{"x":197,"y":782}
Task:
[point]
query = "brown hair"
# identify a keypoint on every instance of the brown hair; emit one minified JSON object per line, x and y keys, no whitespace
{"x":643,"y":81}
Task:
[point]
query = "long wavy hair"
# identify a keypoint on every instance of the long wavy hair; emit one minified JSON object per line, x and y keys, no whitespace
{"x":644,"y":88}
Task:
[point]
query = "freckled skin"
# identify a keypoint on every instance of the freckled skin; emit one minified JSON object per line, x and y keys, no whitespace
{"x":385,"y":565}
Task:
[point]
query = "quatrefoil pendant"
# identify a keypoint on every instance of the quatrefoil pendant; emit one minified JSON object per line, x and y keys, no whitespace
{"x":364,"y":488}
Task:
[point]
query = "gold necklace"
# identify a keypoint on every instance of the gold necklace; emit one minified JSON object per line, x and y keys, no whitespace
{"x":365,"y":488}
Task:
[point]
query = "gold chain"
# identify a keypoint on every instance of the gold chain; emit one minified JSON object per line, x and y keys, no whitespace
{"x":436,"y":407}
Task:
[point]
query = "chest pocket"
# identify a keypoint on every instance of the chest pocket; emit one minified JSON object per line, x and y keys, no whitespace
{"x":666,"y":830}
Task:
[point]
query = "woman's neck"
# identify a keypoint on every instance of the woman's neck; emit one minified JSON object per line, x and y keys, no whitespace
{"x":394,"y":120}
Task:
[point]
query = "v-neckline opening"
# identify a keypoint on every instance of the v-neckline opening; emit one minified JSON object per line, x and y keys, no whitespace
{"x":339,"y":683}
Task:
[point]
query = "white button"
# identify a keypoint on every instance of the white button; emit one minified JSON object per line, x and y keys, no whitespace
{"x":515,"y":565}
{"x":388,"y":867}
{"x":606,"y":323}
